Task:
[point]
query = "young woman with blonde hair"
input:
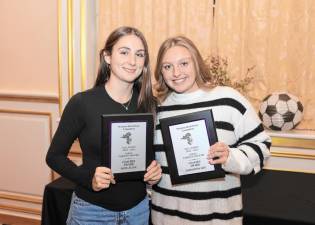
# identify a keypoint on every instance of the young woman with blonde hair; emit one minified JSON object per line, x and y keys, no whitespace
{"x":184,"y":86}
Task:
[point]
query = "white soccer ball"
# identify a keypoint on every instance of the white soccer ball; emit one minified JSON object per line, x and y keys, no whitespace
{"x":281,"y":111}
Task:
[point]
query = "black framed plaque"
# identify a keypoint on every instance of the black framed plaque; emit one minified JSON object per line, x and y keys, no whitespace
{"x":127,"y":144}
{"x":187,"y":139}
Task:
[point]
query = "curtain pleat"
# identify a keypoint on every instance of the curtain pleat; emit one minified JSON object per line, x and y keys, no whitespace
{"x":274,"y":36}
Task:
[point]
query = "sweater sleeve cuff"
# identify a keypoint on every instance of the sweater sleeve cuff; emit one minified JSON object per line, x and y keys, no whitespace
{"x":237,"y":162}
{"x":88,"y":174}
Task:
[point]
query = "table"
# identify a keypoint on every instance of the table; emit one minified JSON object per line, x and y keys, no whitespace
{"x":279,"y":197}
{"x":271,"y":197}
{"x":56,"y":201}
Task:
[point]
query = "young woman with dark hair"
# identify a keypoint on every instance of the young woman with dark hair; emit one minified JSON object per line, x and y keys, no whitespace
{"x":123,"y":86}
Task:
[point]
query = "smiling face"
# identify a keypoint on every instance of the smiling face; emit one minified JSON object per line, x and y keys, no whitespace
{"x":127,"y":59}
{"x":178,"y":70}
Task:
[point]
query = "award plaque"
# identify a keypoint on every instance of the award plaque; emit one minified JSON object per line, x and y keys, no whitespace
{"x":127,"y":141}
{"x":187,"y":139}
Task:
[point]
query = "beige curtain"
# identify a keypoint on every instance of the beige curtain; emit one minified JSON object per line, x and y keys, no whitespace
{"x":278,"y":38}
{"x":275,"y":36}
{"x":158,"y":20}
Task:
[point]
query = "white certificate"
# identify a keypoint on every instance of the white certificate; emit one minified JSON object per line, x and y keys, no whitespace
{"x":128,"y":147}
{"x":191,"y":145}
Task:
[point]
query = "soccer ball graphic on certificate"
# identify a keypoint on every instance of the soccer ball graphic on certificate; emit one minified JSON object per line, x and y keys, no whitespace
{"x":281,"y":111}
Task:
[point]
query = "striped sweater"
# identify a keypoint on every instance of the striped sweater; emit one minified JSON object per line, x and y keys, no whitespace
{"x":215,"y":201}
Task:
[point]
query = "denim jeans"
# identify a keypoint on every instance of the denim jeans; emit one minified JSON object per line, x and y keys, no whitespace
{"x":84,"y":213}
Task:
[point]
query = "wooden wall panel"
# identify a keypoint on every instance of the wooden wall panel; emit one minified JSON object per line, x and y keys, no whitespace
{"x":25,"y":137}
{"x":29,"y":47}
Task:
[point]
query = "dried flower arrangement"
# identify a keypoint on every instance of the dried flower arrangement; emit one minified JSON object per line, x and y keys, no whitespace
{"x":219,"y":73}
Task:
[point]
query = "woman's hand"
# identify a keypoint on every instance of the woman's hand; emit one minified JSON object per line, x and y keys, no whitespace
{"x":102,"y":178}
{"x":218,"y":153}
{"x":154,"y":173}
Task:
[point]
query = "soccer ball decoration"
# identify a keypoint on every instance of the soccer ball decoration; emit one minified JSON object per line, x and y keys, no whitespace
{"x":281,"y":111}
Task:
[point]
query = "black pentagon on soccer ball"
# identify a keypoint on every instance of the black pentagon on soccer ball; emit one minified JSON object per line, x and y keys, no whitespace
{"x":273,"y":127}
{"x":300,"y":106}
{"x":271,"y":110}
{"x":288,"y":116}
{"x":284,"y":97}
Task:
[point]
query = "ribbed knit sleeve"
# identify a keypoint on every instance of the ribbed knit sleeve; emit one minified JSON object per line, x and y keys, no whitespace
{"x":71,"y":123}
{"x":251,"y":150}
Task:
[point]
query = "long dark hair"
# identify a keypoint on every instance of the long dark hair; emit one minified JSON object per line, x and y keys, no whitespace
{"x":146,"y":100}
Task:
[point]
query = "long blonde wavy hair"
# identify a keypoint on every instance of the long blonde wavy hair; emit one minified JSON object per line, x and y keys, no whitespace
{"x":203,"y":75}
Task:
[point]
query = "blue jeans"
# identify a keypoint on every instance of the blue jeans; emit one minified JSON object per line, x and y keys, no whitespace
{"x":84,"y":213}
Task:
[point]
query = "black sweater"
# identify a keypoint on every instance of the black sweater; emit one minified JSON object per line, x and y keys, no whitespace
{"x":82,"y":119}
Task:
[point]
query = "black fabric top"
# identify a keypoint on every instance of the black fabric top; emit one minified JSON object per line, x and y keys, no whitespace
{"x":82,"y":119}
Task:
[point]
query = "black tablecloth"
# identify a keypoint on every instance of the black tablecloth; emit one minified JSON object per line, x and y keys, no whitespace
{"x":278,"y":197}
{"x":271,"y":197}
{"x":56,"y":202}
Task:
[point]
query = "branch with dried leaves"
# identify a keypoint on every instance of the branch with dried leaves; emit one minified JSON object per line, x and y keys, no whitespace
{"x":218,"y":67}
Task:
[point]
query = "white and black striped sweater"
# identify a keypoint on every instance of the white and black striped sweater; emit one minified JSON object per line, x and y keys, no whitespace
{"x":216,"y":201}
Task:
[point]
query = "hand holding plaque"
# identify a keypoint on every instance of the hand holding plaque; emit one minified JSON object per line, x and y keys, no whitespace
{"x":187,"y":139}
{"x":127,"y":144}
